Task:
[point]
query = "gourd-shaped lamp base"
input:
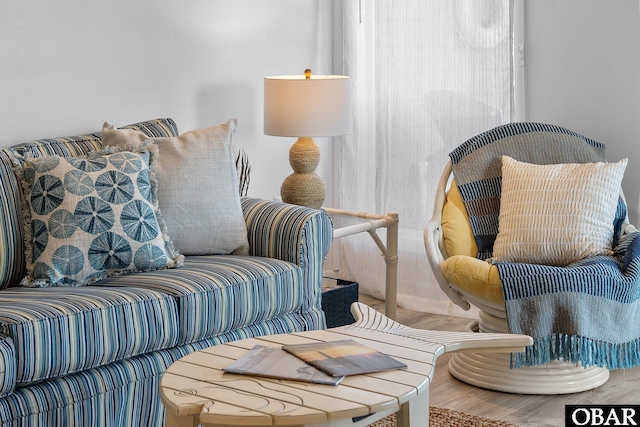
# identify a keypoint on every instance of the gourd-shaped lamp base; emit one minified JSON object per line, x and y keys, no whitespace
{"x":304,"y":187}
{"x":304,"y":106}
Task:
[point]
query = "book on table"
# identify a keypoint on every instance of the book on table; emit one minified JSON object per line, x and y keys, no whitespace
{"x":274,"y":362}
{"x":344,"y":357}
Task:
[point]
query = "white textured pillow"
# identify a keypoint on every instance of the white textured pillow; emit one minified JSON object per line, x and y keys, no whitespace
{"x":556,"y":214}
{"x":197,"y":188}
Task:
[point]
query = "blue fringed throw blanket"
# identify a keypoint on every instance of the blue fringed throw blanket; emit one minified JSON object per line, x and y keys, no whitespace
{"x":587,"y":312}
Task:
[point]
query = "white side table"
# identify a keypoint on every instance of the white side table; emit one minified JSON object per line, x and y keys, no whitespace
{"x":389,"y":252}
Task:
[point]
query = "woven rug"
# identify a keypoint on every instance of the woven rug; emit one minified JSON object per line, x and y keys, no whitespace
{"x":442,"y":417}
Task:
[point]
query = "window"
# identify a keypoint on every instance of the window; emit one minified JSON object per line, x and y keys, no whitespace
{"x":427,"y":75}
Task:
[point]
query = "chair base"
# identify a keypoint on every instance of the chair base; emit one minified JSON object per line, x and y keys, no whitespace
{"x":492,"y":370}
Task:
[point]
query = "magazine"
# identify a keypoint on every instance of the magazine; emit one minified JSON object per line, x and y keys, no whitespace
{"x":344,"y":357}
{"x":276,"y":363}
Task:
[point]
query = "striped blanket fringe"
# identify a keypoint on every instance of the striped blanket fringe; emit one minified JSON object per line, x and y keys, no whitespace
{"x":579,"y":350}
{"x":587,"y":312}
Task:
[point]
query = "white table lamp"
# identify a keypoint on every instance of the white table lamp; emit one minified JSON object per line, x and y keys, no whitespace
{"x":306,"y":106}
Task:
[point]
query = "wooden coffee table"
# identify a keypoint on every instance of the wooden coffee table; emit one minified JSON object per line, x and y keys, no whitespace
{"x":195,"y":390}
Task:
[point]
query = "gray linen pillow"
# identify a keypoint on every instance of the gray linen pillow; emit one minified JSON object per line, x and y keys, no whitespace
{"x":197,"y":187}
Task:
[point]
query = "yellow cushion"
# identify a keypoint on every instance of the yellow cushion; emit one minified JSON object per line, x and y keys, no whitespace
{"x":475,"y":276}
{"x":456,"y":228}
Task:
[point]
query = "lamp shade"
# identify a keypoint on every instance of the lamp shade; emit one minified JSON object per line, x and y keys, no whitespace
{"x":307,"y":107}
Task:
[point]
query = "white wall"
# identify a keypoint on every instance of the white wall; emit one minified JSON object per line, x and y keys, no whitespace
{"x":583,"y":73}
{"x":69,"y":65}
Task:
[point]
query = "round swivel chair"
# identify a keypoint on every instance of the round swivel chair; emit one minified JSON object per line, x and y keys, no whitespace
{"x":467,"y":280}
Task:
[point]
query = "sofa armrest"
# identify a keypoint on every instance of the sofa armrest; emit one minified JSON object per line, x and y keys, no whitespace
{"x":291,"y":233}
{"x":287,"y":232}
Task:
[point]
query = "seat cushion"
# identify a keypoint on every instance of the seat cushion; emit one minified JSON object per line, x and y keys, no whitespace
{"x":474,"y":276}
{"x":462,"y":268}
{"x":7,"y":366}
{"x":57,"y":331}
{"x":219,"y":293}
{"x":456,"y":227}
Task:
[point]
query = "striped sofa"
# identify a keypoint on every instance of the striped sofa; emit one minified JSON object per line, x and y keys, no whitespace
{"x":94,"y":355}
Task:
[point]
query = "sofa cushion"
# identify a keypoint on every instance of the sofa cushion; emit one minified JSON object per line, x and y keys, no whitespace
{"x":474,"y":276}
{"x":7,"y":366}
{"x":219,"y":293}
{"x":89,"y":217}
{"x":57,"y":331}
{"x":155,"y":128}
{"x":198,"y":188}
{"x":12,"y":262}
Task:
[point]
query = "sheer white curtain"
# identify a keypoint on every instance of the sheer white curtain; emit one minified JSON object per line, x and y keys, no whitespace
{"x":427,"y":75}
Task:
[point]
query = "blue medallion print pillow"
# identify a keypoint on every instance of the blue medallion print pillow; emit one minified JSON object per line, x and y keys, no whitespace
{"x":88,"y":218}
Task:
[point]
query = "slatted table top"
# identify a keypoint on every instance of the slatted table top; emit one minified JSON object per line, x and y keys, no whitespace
{"x":195,"y":389}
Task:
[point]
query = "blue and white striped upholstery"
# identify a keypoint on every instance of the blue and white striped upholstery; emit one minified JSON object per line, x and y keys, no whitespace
{"x":218,"y":293}
{"x":12,"y":264}
{"x":57,"y":331}
{"x":157,"y":127}
{"x":303,"y":237}
{"x":94,"y":355}
{"x":7,"y":366}
{"x":243,"y":167}
{"x":64,"y":146}
{"x":123,"y":393}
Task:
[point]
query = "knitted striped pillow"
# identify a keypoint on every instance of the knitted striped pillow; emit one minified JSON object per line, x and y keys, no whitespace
{"x":556,"y":214}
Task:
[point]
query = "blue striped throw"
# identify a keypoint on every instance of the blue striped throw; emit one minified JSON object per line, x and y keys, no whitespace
{"x":587,"y":312}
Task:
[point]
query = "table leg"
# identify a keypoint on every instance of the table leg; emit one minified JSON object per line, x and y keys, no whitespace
{"x":391,"y":272}
{"x":415,"y":412}
{"x":172,"y":420}
{"x":390,"y":251}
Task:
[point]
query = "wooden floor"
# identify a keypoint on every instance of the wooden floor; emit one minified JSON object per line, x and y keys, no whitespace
{"x":623,"y":386}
